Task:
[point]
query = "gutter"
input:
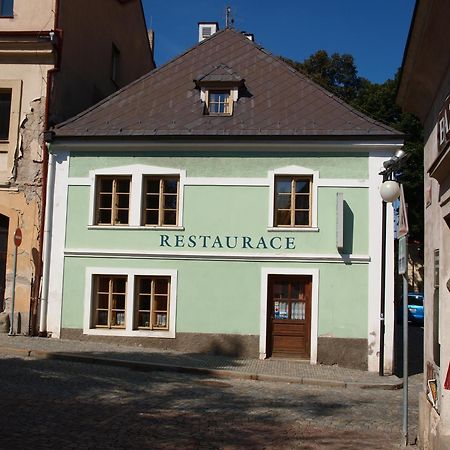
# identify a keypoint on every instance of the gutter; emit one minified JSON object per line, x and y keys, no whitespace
{"x":42,"y":272}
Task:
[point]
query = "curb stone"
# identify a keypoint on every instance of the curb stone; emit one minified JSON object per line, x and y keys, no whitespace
{"x":217,"y":373}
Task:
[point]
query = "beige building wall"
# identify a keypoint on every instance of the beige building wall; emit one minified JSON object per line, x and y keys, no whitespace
{"x":30,"y":15}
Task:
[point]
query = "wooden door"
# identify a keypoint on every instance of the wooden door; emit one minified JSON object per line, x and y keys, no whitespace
{"x":289,"y":316}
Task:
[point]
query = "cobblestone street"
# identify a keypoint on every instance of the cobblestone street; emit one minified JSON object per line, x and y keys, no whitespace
{"x":63,"y":405}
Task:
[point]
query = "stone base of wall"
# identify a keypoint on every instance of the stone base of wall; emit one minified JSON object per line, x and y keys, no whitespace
{"x":430,"y":436}
{"x":246,"y":346}
{"x":345,"y":352}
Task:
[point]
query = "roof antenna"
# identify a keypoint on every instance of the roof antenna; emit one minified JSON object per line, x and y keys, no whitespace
{"x":229,"y":21}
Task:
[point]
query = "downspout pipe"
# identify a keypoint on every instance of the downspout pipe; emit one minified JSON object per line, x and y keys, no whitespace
{"x":45,"y":223}
{"x":47,"y":244}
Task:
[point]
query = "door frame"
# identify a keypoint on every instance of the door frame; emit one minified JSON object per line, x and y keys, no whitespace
{"x":314,"y":274}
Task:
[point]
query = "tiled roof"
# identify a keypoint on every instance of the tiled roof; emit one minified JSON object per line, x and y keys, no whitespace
{"x":276,"y":100}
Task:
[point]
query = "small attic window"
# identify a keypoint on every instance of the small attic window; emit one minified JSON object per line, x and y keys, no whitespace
{"x":219,"y":90}
{"x":219,"y":102}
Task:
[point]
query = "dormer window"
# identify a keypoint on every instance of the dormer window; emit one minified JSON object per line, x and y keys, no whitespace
{"x":219,"y":90}
{"x":220,"y":102}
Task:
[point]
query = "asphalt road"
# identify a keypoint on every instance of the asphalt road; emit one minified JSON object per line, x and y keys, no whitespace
{"x":63,"y":405}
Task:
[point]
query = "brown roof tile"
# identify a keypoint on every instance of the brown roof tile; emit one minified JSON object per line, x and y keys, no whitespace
{"x":277,"y":100}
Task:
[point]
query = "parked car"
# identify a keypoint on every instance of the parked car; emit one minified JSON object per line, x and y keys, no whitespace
{"x":415,"y":307}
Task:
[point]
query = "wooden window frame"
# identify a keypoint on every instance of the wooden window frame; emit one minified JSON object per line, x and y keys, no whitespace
{"x":161,"y":195}
{"x":292,"y":209}
{"x":152,"y":312}
{"x":111,"y":310}
{"x":114,"y":199}
{"x":228,"y":104}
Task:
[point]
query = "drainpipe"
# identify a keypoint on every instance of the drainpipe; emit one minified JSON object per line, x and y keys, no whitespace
{"x":50,"y":189}
{"x":47,"y":177}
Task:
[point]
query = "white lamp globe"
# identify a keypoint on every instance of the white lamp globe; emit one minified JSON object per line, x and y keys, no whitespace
{"x":389,"y":191}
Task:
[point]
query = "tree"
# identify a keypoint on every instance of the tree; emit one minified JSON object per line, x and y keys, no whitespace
{"x":338,"y":74}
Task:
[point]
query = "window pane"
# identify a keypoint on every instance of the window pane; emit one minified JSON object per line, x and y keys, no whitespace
{"x":281,"y":310}
{"x":161,"y":286}
{"x":144,"y":302}
{"x":283,"y":186}
{"x":301,"y":201}
{"x":6,"y":8}
{"x":298,"y":311}
{"x":105,"y":201}
{"x":301,"y":218}
{"x":283,"y":217}
{"x":144,"y":320}
{"x":281,"y":290}
{"x":170,"y":201}
{"x":123,"y":185}
{"x":283,"y":201}
{"x":117,"y":319}
{"x":145,"y":285}
{"x":102,"y":301}
{"x":123,"y":200}
{"x":103,"y":284}
{"x":122,"y":217}
{"x":170,"y":218}
{"x":297,"y":290}
{"x":5,"y":112}
{"x":152,"y":201}
{"x":302,"y":186}
{"x":119,"y":285}
{"x":102,"y":318}
{"x":160,"y":303}
{"x":151,"y":218}
{"x":118,"y":301}
{"x":170,"y":185}
{"x":106,"y":185}
{"x":160,"y":320}
{"x":152,"y":186}
{"x":104,"y":216}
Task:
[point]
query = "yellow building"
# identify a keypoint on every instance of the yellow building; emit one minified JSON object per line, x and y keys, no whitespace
{"x":57,"y":58}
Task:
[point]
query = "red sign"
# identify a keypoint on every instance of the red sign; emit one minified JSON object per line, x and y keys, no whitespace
{"x":447,"y":379}
{"x":18,"y":237}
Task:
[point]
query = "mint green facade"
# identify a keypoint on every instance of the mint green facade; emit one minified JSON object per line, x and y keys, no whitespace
{"x":221,"y":294}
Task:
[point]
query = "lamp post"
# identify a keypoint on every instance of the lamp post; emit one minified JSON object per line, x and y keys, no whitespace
{"x":390,"y":190}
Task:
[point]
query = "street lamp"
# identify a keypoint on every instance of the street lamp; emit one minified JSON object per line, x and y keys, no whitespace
{"x":390,"y":190}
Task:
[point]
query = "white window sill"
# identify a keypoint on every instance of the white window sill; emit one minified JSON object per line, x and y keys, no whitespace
{"x":168,"y":334}
{"x":133,"y":227}
{"x":291,"y":229}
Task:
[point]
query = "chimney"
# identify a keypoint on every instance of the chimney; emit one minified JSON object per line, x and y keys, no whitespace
{"x":206,"y":30}
{"x":151,"y":40}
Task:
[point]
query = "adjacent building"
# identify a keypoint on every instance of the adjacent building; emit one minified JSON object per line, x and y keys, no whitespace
{"x":56,"y":59}
{"x":425,"y":91}
{"x":222,"y":203}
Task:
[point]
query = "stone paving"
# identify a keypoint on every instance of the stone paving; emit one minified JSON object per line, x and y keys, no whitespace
{"x":287,"y":370}
{"x":51,"y":404}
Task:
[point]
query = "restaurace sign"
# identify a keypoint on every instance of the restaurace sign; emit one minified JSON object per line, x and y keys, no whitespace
{"x":225,"y":242}
{"x":443,"y":126}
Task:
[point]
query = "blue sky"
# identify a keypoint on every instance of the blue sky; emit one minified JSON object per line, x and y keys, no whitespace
{"x":374,"y":32}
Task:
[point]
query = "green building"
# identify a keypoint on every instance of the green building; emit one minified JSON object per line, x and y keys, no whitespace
{"x":222,"y":203}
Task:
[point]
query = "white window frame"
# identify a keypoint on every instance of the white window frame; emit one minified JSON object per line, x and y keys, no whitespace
{"x":204,"y":97}
{"x":130,"y":302}
{"x":294,"y":171}
{"x":137,"y":173}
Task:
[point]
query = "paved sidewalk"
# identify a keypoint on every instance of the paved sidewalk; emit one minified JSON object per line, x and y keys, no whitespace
{"x":147,"y":359}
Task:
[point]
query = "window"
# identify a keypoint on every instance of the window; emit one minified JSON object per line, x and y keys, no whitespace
{"x":113,"y":200}
{"x":115,"y":59}
{"x":6,"y":8}
{"x":5,"y":113}
{"x":219,"y":103}
{"x":152,"y":302}
{"x":161,"y":201}
{"x":292,"y":201}
{"x":109,"y":301}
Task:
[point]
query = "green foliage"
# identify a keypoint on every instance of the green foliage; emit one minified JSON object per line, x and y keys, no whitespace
{"x":338,"y":74}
